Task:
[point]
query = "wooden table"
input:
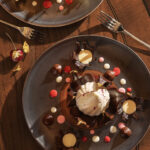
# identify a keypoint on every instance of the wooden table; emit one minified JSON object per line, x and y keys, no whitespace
{"x":14,"y":134}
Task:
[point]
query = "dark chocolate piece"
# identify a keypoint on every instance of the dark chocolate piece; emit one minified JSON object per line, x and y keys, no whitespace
{"x":56,"y":69}
{"x":48,"y":120}
{"x":110,"y":75}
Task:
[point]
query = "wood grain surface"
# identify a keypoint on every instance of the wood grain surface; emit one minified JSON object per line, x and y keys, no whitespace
{"x":14,"y":134}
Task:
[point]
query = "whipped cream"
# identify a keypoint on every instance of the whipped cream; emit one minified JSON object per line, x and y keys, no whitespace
{"x":92,"y":101}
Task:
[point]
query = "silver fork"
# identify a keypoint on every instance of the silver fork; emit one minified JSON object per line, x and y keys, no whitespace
{"x":115,"y":26}
{"x":27,"y":32}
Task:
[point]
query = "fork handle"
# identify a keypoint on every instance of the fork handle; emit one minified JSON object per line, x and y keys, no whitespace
{"x":9,"y":24}
{"x":137,"y":39}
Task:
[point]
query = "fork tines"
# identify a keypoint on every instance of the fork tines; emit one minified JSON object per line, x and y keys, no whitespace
{"x":38,"y":35}
{"x":108,"y":21}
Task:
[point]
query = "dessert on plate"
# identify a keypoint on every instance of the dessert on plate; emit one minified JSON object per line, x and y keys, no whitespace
{"x":89,"y":100}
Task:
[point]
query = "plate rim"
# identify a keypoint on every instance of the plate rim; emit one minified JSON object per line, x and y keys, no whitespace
{"x":49,"y":26}
{"x":61,"y":41}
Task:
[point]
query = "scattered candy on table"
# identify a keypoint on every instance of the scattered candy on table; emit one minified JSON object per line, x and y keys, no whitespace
{"x":16,"y":55}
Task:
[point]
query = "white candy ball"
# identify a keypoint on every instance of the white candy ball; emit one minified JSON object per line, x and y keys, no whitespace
{"x":107,"y":66}
{"x":53,"y":109}
{"x":59,"y":1}
{"x":59,"y":79}
{"x":123,"y":81}
{"x":95,"y":139}
{"x":113,"y":129}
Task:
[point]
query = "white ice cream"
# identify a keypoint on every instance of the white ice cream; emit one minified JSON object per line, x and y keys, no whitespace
{"x":92,"y":101}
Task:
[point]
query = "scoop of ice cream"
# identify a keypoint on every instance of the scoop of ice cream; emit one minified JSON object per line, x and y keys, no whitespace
{"x":92,"y":101}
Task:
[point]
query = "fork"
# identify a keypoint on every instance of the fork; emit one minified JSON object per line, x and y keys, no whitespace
{"x":27,"y":32}
{"x":115,"y":26}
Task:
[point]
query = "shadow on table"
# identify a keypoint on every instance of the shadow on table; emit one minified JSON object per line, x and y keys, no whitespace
{"x":15,"y":133}
{"x":98,"y":28}
{"x":142,"y":51}
{"x":51,"y":34}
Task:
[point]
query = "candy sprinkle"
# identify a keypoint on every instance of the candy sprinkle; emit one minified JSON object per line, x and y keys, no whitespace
{"x":67,"y":69}
{"x":68,"y":80}
{"x":53,"y":93}
{"x":121,"y":125}
{"x":53,"y":109}
{"x":117,"y":71}
{"x":107,"y":139}
{"x":61,"y":7}
{"x":113,"y":129}
{"x":92,"y":132}
{"x":101,"y":59}
{"x":59,"y":1}
{"x":69,"y":1}
{"x":129,"y":89}
{"x":84,"y":138}
{"x":95,"y":139}
{"x":61,"y":119}
{"x":59,"y":79}
{"x":122,"y":90}
{"x":107,"y":66}
{"x":47,"y":4}
{"x":123,"y":81}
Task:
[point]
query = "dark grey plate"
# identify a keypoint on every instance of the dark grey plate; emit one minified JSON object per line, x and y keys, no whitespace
{"x":50,"y":17}
{"x":40,"y":81}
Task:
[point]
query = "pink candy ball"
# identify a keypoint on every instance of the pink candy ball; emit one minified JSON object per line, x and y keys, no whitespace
{"x":61,"y":119}
{"x":92,"y":132}
{"x":101,"y":59}
{"x":61,"y":7}
{"x":122,"y":90}
{"x":121,"y":125}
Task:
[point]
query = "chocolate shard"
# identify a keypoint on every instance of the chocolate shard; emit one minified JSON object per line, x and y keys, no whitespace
{"x":87,"y":78}
{"x":102,"y":81}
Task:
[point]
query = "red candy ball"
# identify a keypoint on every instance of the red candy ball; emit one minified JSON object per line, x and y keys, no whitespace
{"x":107,"y":139}
{"x":16,"y":55}
{"x":53,"y":93}
{"x":69,"y":1}
{"x":47,"y":4}
{"x":129,"y":89}
{"x":67,"y":69}
{"x":117,"y":71}
{"x":84,"y":139}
